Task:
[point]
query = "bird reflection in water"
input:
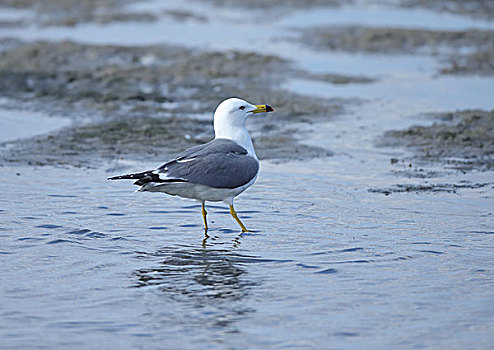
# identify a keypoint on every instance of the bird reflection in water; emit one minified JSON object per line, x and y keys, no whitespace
{"x":201,"y":278}
{"x":235,"y":241}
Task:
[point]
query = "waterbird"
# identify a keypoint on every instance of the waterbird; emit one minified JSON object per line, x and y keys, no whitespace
{"x":216,"y":171}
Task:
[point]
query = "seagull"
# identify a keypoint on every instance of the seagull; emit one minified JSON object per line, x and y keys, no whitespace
{"x":216,"y":171}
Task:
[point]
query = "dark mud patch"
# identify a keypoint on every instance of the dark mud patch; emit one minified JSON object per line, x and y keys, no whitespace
{"x":392,"y":40}
{"x":475,"y":8}
{"x":145,"y":139}
{"x":418,"y":172}
{"x":432,"y":188}
{"x":448,"y":46}
{"x":71,"y":13}
{"x":115,"y":79}
{"x":480,"y":62}
{"x":285,"y":4}
{"x":119,"y":139}
{"x":337,"y":79}
{"x":107,"y":76}
{"x":182,"y":16}
{"x":458,"y":142}
{"x":129,"y":92}
{"x":462,"y":140}
{"x":6,"y":24}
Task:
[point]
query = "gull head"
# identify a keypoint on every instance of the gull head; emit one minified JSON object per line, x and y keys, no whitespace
{"x":231,"y":114}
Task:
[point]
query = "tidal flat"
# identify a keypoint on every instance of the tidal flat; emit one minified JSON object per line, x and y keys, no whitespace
{"x":372,"y":217}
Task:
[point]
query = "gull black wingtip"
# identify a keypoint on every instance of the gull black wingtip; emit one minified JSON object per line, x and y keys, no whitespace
{"x":134,"y":176}
{"x":119,"y":177}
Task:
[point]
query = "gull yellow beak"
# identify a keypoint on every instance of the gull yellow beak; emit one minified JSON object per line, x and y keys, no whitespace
{"x":262,"y":109}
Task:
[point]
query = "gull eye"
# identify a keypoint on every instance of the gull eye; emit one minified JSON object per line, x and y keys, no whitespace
{"x":241,"y":107}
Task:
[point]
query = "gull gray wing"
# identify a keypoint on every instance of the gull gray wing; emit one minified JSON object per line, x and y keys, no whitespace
{"x":220,"y":163}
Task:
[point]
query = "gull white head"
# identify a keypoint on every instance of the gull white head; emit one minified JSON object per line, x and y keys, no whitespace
{"x":229,"y":121}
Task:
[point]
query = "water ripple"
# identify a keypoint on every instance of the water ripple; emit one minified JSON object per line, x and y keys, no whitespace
{"x":57,"y":241}
{"x":50,"y":226}
{"x":431,"y":251}
{"x":327,"y":271}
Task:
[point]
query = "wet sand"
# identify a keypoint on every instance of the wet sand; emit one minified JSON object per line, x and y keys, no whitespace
{"x":447,"y":46}
{"x":111,"y":83}
{"x":479,"y":62}
{"x":463,"y":140}
{"x":121,"y":83}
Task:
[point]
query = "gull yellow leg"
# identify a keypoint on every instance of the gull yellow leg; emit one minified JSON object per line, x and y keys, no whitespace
{"x":204,"y":213}
{"x":235,"y":216}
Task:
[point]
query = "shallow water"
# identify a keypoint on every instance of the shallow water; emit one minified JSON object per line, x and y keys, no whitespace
{"x":84,"y":256}
{"x":16,"y":124}
{"x":330,"y":265}
{"x":384,"y":16}
{"x":429,"y":93}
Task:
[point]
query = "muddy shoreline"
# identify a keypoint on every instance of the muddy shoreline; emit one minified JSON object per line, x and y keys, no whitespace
{"x":457,"y":52}
{"x":69,"y":13}
{"x":456,"y":143}
{"x":133,"y":95}
{"x":392,"y":243}
{"x":462,"y":140}
{"x":148,"y":102}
